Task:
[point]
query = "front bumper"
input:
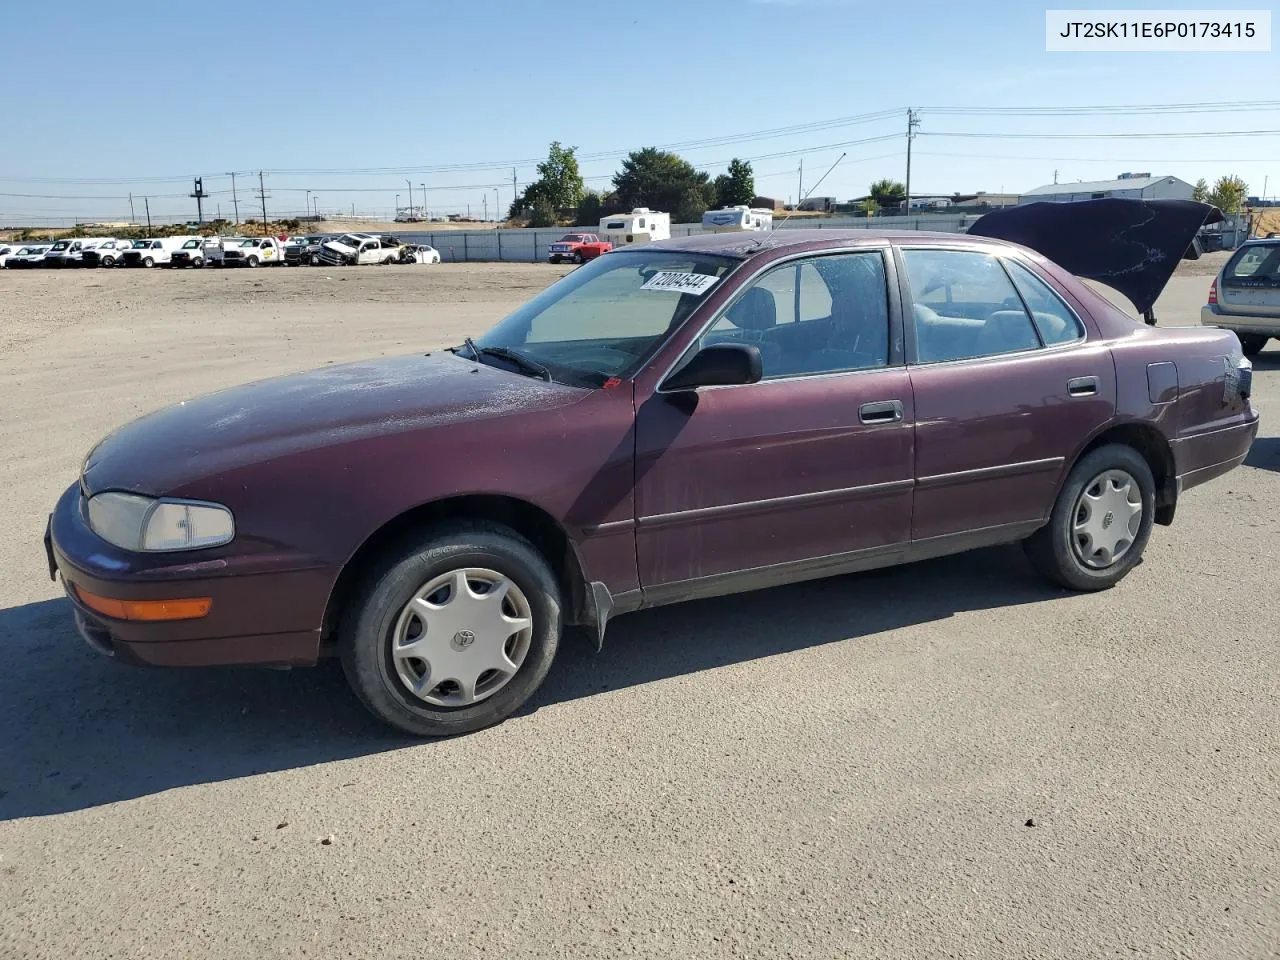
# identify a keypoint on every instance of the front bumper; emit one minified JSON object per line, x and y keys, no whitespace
{"x":1213,"y":315}
{"x":263,"y":617}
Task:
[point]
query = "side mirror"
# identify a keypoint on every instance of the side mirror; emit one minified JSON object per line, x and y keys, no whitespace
{"x":716,"y":365}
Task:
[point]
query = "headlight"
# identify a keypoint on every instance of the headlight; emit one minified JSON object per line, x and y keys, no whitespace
{"x":145,"y":524}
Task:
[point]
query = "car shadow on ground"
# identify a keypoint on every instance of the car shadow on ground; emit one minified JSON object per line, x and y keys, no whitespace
{"x":1264,"y":454}
{"x":81,"y":731}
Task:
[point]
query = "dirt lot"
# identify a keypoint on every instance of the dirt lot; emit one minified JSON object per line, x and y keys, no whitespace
{"x":944,"y":760}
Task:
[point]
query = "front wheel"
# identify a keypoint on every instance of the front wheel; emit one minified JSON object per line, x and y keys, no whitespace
{"x":454,"y":632}
{"x":578,"y":258}
{"x":252,"y":261}
{"x":1252,"y":343}
{"x":148,"y":262}
{"x":108,"y":261}
{"x":1100,"y":523}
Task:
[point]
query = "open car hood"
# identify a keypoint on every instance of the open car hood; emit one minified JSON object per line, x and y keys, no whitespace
{"x":1132,"y":246}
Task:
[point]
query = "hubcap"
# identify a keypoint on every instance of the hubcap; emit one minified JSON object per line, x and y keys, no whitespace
{"x":462,"y":637}
{"x":1107,"y":518}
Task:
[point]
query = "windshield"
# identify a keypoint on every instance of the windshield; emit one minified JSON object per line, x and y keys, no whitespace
{"x":572,"y":238}
{"x":61,"y":245}
{"x":350,"y":241}
{"x":141,"y":244}
{"x":606,"y":318}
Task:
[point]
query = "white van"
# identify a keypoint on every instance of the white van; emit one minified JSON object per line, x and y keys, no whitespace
{"x":156,"y":252}
{"x":107,"y":253}
{"x":190,"y":254}
{"x":641,"y":225}
{"x":736,"y":219}
{"x":69,"y":253}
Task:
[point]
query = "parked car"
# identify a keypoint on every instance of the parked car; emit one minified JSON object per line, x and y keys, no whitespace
{"x":254,"y":252}
{"x":1245,"y":295}
{"x":8,"y":250}
{"x":358,"y":249}
{"x":628,"y":438}
{"x":578,"y":248}
{"x":215,"y":249}
{"x":69,"y":253}
{"x":190,"y":254}
{"x":152,"y":252}
{"x":419,"y":253}
{"x":104,"y":254}
{"x":27,"y":256}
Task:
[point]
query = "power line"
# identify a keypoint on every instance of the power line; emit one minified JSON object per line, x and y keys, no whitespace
{"x":1196,"y":135}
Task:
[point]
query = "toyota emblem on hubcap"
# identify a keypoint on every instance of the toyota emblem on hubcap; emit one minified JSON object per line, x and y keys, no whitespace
{"x":463,"y":639}
{"x":1106,"y":521}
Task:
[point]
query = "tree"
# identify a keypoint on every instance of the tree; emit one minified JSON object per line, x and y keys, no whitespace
{"x":590,"y":210}
{"x":737,"y":187}
{"x":1201,"y":191}
{"x":870,"y":207}
{"x":558,"y":174}
{"x":544,"y":214}
{"x":887,"y":193}
{"x":663,"y":181}
{"x":1228,"y":193}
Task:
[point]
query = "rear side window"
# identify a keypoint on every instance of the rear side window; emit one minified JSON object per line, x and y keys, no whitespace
{"x":1053,"y":319}
{"x":964,"y":306}
{"x":1254,"y":266}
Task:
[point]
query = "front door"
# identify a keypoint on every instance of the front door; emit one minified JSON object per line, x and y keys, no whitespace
{"x":808,"y":471}
{"x":1008,"y":388}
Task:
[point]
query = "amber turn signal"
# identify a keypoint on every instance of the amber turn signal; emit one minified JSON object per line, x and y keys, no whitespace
{"x":152,"y":610}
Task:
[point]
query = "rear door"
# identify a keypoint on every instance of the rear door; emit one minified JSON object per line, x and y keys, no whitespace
{"x":1009,"y":384}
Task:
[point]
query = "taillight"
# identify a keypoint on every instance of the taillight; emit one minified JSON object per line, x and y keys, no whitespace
{"x":1213,"y":291}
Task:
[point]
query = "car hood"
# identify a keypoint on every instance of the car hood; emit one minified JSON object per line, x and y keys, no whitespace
{"x":258,"y":422}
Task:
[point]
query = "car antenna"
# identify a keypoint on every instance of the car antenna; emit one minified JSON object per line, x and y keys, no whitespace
{"x":774,"y":228}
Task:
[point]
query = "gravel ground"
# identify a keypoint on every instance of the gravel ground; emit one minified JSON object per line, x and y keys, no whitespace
{"x":943,"y":760}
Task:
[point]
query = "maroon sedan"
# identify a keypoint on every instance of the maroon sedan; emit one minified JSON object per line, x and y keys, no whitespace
{"x":694,"y":417}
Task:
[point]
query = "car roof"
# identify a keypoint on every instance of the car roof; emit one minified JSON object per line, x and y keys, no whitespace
{"x":745,"y":244}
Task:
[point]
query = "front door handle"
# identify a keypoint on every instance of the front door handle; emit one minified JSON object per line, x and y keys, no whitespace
{"x":1082,"y":386}
{"x":883,"y":411}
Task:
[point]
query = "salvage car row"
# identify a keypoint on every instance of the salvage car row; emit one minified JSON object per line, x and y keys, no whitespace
{"x":185,"y":251}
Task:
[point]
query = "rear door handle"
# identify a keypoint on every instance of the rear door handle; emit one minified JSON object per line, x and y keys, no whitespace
{"x":1083,"y":386}
{"x":883,"y":411}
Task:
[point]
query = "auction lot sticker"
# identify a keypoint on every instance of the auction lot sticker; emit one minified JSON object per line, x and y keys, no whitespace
{"x":670,"y":280}
{"x":1158,"y":31}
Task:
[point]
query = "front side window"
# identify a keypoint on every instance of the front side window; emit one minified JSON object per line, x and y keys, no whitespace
{"x":606,"y":318}
{"x":965,"y":306}
{"x":1053,"y":319}
{"x":821,"y":315}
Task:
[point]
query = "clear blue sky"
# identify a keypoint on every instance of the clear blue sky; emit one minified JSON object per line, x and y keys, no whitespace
{"x":110,"y":92}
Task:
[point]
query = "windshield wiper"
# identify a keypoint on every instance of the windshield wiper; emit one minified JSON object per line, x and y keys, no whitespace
{"x":527,"y":364}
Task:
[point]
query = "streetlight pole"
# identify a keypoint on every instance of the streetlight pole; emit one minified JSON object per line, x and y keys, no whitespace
{"x":424,"y":200}
{"x":497,"y":216}
{"x":397,"y":206}
{"x":307,"y":205}
{"x":316,"y":201}
{"x":410,"y":183}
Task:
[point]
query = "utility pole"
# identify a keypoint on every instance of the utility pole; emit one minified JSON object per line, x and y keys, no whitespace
{"x":424,"y":200}
{"x":133,"y":218}
{"x":235,"y":201}
{"x":262,"y":195}
{"x":913,"y":121}
{"x":147,"y":201}
{"x":485,"y":198}
{"x":497,"y":210}
{"x":1055,"y":176}
{"x":198,"y":195}
{"x":800,"y":190}
{"x":515,"y":189}
{"x":410,"y":183}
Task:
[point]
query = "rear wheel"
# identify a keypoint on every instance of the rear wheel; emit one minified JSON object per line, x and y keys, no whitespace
{"x":389,"y":261}
{"x":1100,"y":523}
{"x":1252,"y":343}
{"x":453,"y":632}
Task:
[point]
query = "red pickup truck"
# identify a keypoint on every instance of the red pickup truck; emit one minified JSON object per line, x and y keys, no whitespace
{"x":578,"y":247}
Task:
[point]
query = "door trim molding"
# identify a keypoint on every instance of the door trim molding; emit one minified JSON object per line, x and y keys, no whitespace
{"x":992,"y":473}
{"x":749,"y":507}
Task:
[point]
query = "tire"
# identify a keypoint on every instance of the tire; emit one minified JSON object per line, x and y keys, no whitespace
{"x":389,"y":261}
{"x":1252,"y":343}
{"x":578,"y":258}
{"x":1058,"y":551}
{"x":251,"y":261}
{"x":148,"y":262}
{"x":555,"y":259}
{"x":108,"y":261}
{"x":197,"y":263}
{"x":377,"y":619}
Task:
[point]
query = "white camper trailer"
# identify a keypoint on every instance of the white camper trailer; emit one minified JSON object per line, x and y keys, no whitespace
{"x":641,"y":225}
{"x":733,"y":219}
